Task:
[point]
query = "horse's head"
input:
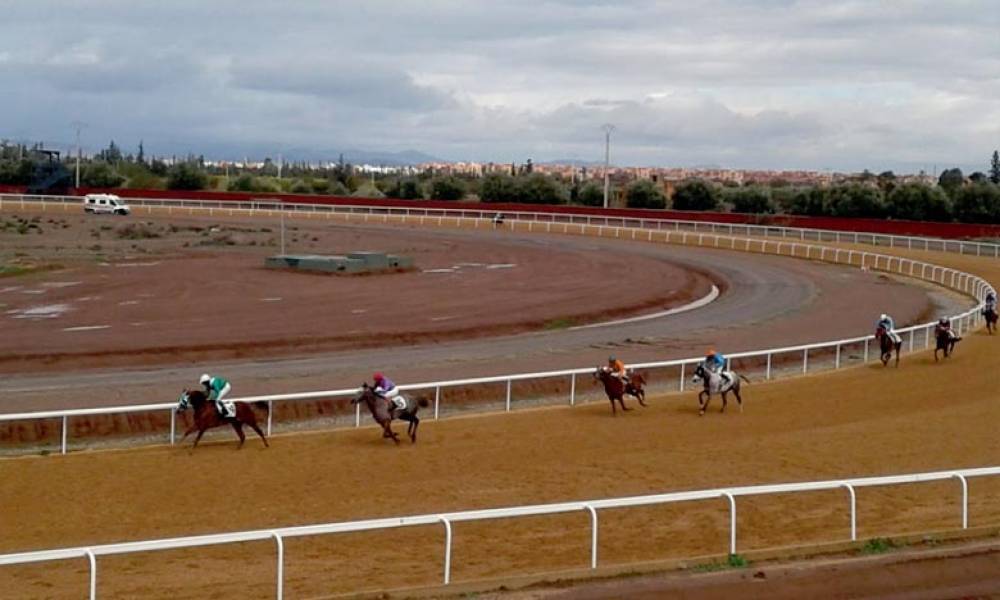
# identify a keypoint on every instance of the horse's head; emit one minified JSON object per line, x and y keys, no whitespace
{"x":699,"y":374}
{"x":366,"y":390}
{"x":183,"y":403}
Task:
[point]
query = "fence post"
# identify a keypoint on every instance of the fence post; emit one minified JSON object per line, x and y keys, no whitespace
{"x":927,"y":337}
{"x":93,"y":574}
{"x":173,"y":426}
{"x":837,"y":362}
{"x":593,"y":535}
{"x":65,"y":427}
{"x":805,"y":360}
{"x":965,"y":500}
{"x":279,"y":591}
{"x":867,"y":340}
{"x":437,"y":401}
{"x":768,"y":373}
{"x":508,"y":395}
{"x":447,"y":550}
{"x":854,"y":511}
{"x":357,"y":415}
{"x":682,"y":377}
{"x":732,"y":522}
{"x":270,"y":411}
{"x":912,"y":334}
{"x":572,"y":389}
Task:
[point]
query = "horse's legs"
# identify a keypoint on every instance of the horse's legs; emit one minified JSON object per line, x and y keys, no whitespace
{"x":413,"y":433}
{"x":898,"y":346}
{"x":238,"y":428}
{"x":724,"y":401}
{"x":703,"y":400}
{"x":189,"y":431}
{"x":739,"y":398}
{"x":253,"y":425}
{"x":201,"y":432}
{"x":614,"y":409}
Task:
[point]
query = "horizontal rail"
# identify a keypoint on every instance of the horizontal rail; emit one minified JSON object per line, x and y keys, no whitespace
{"x":451,"y":518}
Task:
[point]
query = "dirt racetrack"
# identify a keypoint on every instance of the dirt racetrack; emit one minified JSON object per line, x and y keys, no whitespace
{"x":864,"y":421}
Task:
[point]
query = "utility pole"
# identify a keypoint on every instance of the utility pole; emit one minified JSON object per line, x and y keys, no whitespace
{"x":608,"y":128}
{"x":279,"y":165}
{"x":79,"y":125}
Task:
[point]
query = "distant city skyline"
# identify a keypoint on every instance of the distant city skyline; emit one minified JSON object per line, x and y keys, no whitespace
{"x":777,"y":84}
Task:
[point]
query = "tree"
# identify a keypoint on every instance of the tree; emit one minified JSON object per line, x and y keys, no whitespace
{"x":409,"y":189}
{"x":695,"y":195}
{"x":978,"y":203}
{"x":186,"y":176}
{"x":644,"y":194}
{"x":447,"y":188}
{"x":978,"y":177}
{"x":919,"y":202}
{"x":591,"y":194}
{"x":886,"y":181}
{"x":539,"y":188}
{"x":752,"y":200}
{"x":497,"y":188}
{"x":995,"y":168}
{"x":813,"y":202}
{"x":141,"y":157}
{"x":856,"y":200}
{"x":100,"y":175}
{"x":951,"y":179}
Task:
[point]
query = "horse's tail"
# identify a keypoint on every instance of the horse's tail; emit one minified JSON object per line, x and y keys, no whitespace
{"x":422,"y":402}
{"x":262,"y":405}
{"x":744,"y":378}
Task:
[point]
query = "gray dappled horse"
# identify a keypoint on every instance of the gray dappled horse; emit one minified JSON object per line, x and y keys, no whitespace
{"x":713,"y":384}
{"x":384,"y":411}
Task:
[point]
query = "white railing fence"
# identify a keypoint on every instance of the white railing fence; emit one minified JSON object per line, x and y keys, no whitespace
{"x":915,"y":337}
{"x":448,"y":520}
{"x":485,"y":213}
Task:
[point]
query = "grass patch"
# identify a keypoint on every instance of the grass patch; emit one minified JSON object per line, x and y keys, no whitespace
{"x":733,"y":561}
{"x":136,"y":231}
{"x":878,"y":546}
{"x":560,"y":323}
{"x":17,"y":270}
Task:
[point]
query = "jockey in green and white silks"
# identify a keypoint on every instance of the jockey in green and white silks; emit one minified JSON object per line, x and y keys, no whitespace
{"x":886,"y":323}
{"x":217,"y":389}
{"x":385,"y":388}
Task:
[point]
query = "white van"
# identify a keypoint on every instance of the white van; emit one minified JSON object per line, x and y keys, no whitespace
{"x":105,"y":203}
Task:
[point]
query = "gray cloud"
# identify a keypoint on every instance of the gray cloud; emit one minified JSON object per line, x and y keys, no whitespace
{"x":760,"y":84}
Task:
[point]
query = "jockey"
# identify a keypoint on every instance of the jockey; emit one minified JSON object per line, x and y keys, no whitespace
{"x":617,"y":369}
{"x":217,"y":389}
{"x":716,"y":363}
{"x":385,"y":388}
{"x":886,"y":323}
{"x":990,"y":305}
{"x":944,"y":326}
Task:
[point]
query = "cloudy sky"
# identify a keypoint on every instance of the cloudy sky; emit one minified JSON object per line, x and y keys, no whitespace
{"x":901,"y":85}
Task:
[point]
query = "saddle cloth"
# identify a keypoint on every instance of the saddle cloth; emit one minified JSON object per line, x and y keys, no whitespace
{"x":230,"y":408}
{"x":399,"y":402}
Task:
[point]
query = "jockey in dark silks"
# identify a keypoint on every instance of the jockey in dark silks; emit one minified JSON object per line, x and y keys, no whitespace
{"x":944,"y":327}
{"x":990,"y":304}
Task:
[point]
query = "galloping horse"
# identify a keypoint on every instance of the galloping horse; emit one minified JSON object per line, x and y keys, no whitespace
{"x":991,"y":320}
{"x":887,"y":346}
{"x":206,"y":416}
{"x":616,"y":389}
{"x":384,"y":412}
{"x":713,"y":385}
{"x":944,"y":341}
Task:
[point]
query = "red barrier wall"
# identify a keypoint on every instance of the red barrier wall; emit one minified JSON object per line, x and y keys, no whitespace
{"x":920,"y":228}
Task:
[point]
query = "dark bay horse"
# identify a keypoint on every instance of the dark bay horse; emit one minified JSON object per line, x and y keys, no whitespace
{"x":991,"y":320}
{"x":887,"y":346}
{"x":616,"y":389}
{"x":944,"y":342}
{"x":713,"y":384}
{"x":383,"y":411}
{"x":206,"y":416}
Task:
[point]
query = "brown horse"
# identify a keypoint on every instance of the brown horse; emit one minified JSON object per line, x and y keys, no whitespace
{"x":887,"y":346}
{"x":384,"y":411}
{"x":206,"y":416}
{"x":944,"y":341}
{"x":991,"y":320}
{"x":616,"y":389}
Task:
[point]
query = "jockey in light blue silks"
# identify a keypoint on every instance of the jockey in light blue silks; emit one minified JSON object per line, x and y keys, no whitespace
{"x":716,"y":363}
{"x":886,"y":323}
{"x":385,"y":388}
{"x":217,"y":389}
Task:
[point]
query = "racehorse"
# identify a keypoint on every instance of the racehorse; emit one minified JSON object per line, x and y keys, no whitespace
{"x":991,"y":320}
{"x":887,"y":345}
{"x":946,"y":342}
{"x":206,"y":416}
{"x":713,"y":385}
{"x":616,"y":389}
{"x":383,"y":411}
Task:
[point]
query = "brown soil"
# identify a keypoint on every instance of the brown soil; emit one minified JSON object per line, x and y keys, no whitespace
{"x":162,"y":289}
